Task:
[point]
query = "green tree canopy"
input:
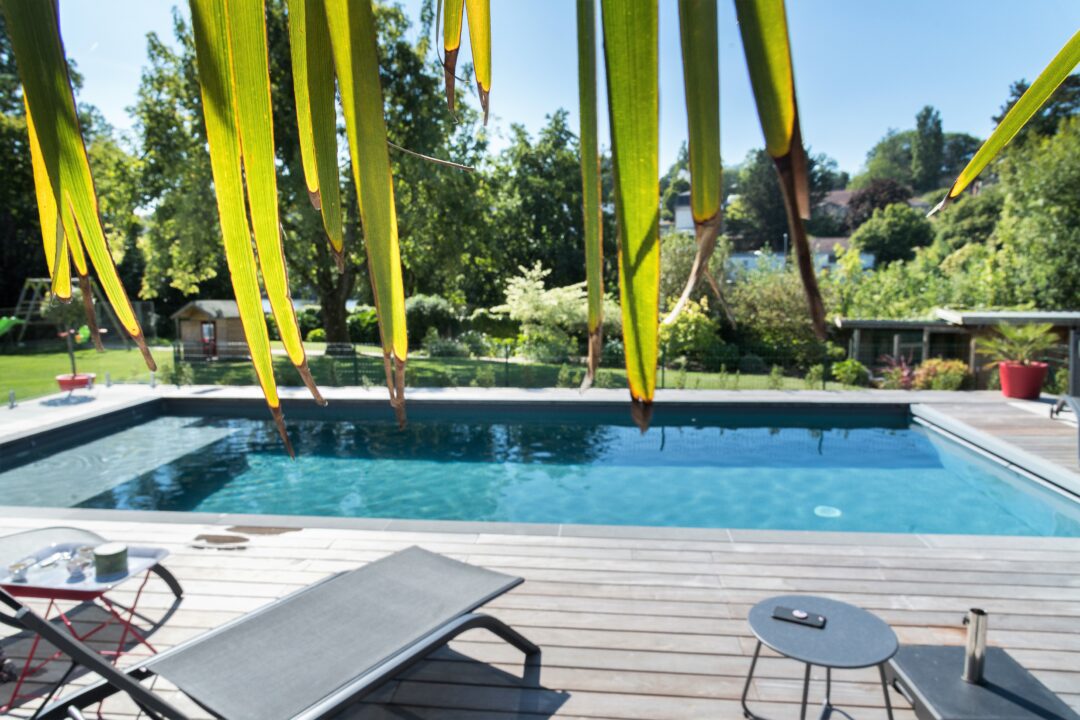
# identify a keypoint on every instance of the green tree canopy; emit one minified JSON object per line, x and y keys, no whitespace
{"x":877,"y":194}
{"x":893,"y":233}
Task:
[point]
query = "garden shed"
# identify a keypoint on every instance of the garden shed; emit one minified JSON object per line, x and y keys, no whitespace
{"x":207,"y":329}
{"x":953,"y":334}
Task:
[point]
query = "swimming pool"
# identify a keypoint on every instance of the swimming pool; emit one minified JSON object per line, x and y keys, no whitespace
{"x":770,"y":469}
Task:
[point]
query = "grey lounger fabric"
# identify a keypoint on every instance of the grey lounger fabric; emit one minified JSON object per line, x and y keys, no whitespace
{"x":279,"y":661}
{"x":311,"y":653}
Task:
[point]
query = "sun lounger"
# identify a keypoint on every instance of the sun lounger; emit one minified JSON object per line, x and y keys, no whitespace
{"x":311,"y":653}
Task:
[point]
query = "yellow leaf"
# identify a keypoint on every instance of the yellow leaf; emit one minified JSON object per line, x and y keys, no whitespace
{"x":353,"y":39}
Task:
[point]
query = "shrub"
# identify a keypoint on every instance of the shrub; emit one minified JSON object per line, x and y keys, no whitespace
{"x":363,"y":324}
{"x":776,"y":378}
{"x":939,"y":374}
{"x":546,"y":344}
{"x":569,"y":377}
{"x":613,"y":353}
{"x":271,"y":327}
{"x":815,"y":377}
{"x":485,"y":376}
{"x":851,"y":372}
{"x":695,"y":334}
{"x":310,"y":318}
{"x":751,"y":364}
{"x":436,"y":346}
{"x":316,"y":335}
{"x":771,"y":308}
{"x":478,"y":343}
{"x":178,"y":374}
{"x":429,"y":311}
{"x":897,"y":374}
{"x":495,"y":324}
{"x":1057,"y":382}
{"x":605,"y":379}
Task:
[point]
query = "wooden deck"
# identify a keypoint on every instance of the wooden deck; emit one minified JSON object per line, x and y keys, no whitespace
{"x":1024,"y":424}
{"x":642,"y":624}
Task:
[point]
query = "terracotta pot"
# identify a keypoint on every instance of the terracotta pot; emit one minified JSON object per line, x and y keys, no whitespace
{"x":75,"y":382}
{"x":1022,"y":381}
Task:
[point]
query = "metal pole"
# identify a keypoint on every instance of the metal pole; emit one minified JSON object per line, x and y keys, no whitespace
{"x":975,"y":655}
{"x":11,"y":399}
{"x":355,"y":368}
{"x":1074,"y":367}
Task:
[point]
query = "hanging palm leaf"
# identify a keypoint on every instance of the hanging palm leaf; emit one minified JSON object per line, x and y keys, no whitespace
{"x":313,"y":87}
{"x":63,"y":181}
{"x":590,"y":183}
{"x":631,"y":49}
{"x":701,"y":78}
{"x":763,"y":25}
{"x":1029,"y":103}
{"x":479,"y":15}
{"x":213,"y":54}
{"x":353,"y":40}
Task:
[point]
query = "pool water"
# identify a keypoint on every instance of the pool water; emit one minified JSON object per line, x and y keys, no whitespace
{"x":904,"y":479}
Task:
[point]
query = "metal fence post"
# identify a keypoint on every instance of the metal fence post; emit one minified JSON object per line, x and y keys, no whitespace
{"x":355,"y":367}
{"x":663,"y":367}
{"x":506,"y":365}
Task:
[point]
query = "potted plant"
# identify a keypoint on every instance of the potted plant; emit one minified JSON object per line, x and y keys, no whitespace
{"x":1015,"y":350}
{"x":66,"y":317}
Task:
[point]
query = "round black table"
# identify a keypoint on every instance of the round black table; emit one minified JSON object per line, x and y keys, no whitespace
{"x":852,"y":638}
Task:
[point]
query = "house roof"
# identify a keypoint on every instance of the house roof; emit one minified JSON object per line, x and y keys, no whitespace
{"x":840,"y":198}
{"x":979,"y":318}
{"x":220,"y":309}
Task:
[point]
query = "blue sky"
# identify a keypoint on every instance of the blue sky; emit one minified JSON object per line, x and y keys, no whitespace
{"x":861,"y":66}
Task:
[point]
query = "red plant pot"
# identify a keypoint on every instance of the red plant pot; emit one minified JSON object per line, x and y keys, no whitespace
{"x":75,"y":382}
{"x":1022,"y":381}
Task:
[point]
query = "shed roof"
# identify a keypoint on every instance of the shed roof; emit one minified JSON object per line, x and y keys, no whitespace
{"x":979,"y":318}
{"x":221,"y":309}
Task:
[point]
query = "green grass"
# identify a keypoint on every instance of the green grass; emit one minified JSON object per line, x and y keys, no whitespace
{"x":33,"y":375}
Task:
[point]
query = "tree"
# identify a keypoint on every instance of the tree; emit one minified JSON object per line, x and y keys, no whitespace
{"x":893,"y":233}
{"x":971,"y":219}
{"x":875,"y":195}
{"x":927,"y":150}
{"x":758,"y":217}
{"x":1063,"y":104}
{"x":674,"y":182}
{"x":1039,"y":229}
{"x":182,"y":242}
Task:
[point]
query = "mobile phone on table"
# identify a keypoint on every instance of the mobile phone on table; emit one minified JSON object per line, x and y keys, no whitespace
{"x":800,"y":617}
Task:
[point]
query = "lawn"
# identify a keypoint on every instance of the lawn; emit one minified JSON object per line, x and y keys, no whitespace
{"x":33,"y":375}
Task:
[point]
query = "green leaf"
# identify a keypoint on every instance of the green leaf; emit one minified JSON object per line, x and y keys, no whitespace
{"x":701,"y":78}
{"x":1019,"y":114}
{"x":479,"y":13}
{"x":313,"y":87}
{"x":453,"y":15}
{"x":246,"y":24}
{"x":631,"y":52}
{"x":353,"y":39}
{"x":590,"y":181}
{"x":763,"y":26}
{"x":52,"y":229}
{"x":34,"y":31}
{"x":213,"y":55}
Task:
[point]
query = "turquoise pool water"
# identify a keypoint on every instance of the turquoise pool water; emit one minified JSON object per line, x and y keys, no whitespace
{"x":870,"y":475}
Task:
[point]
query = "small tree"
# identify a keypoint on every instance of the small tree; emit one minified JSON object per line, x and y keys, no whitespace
{"x":894,"y":233}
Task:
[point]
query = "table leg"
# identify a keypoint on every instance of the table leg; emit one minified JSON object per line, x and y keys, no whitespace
{"x":749,"y":678}
{"x":885,"y":689}
{"x":805,"y":692}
